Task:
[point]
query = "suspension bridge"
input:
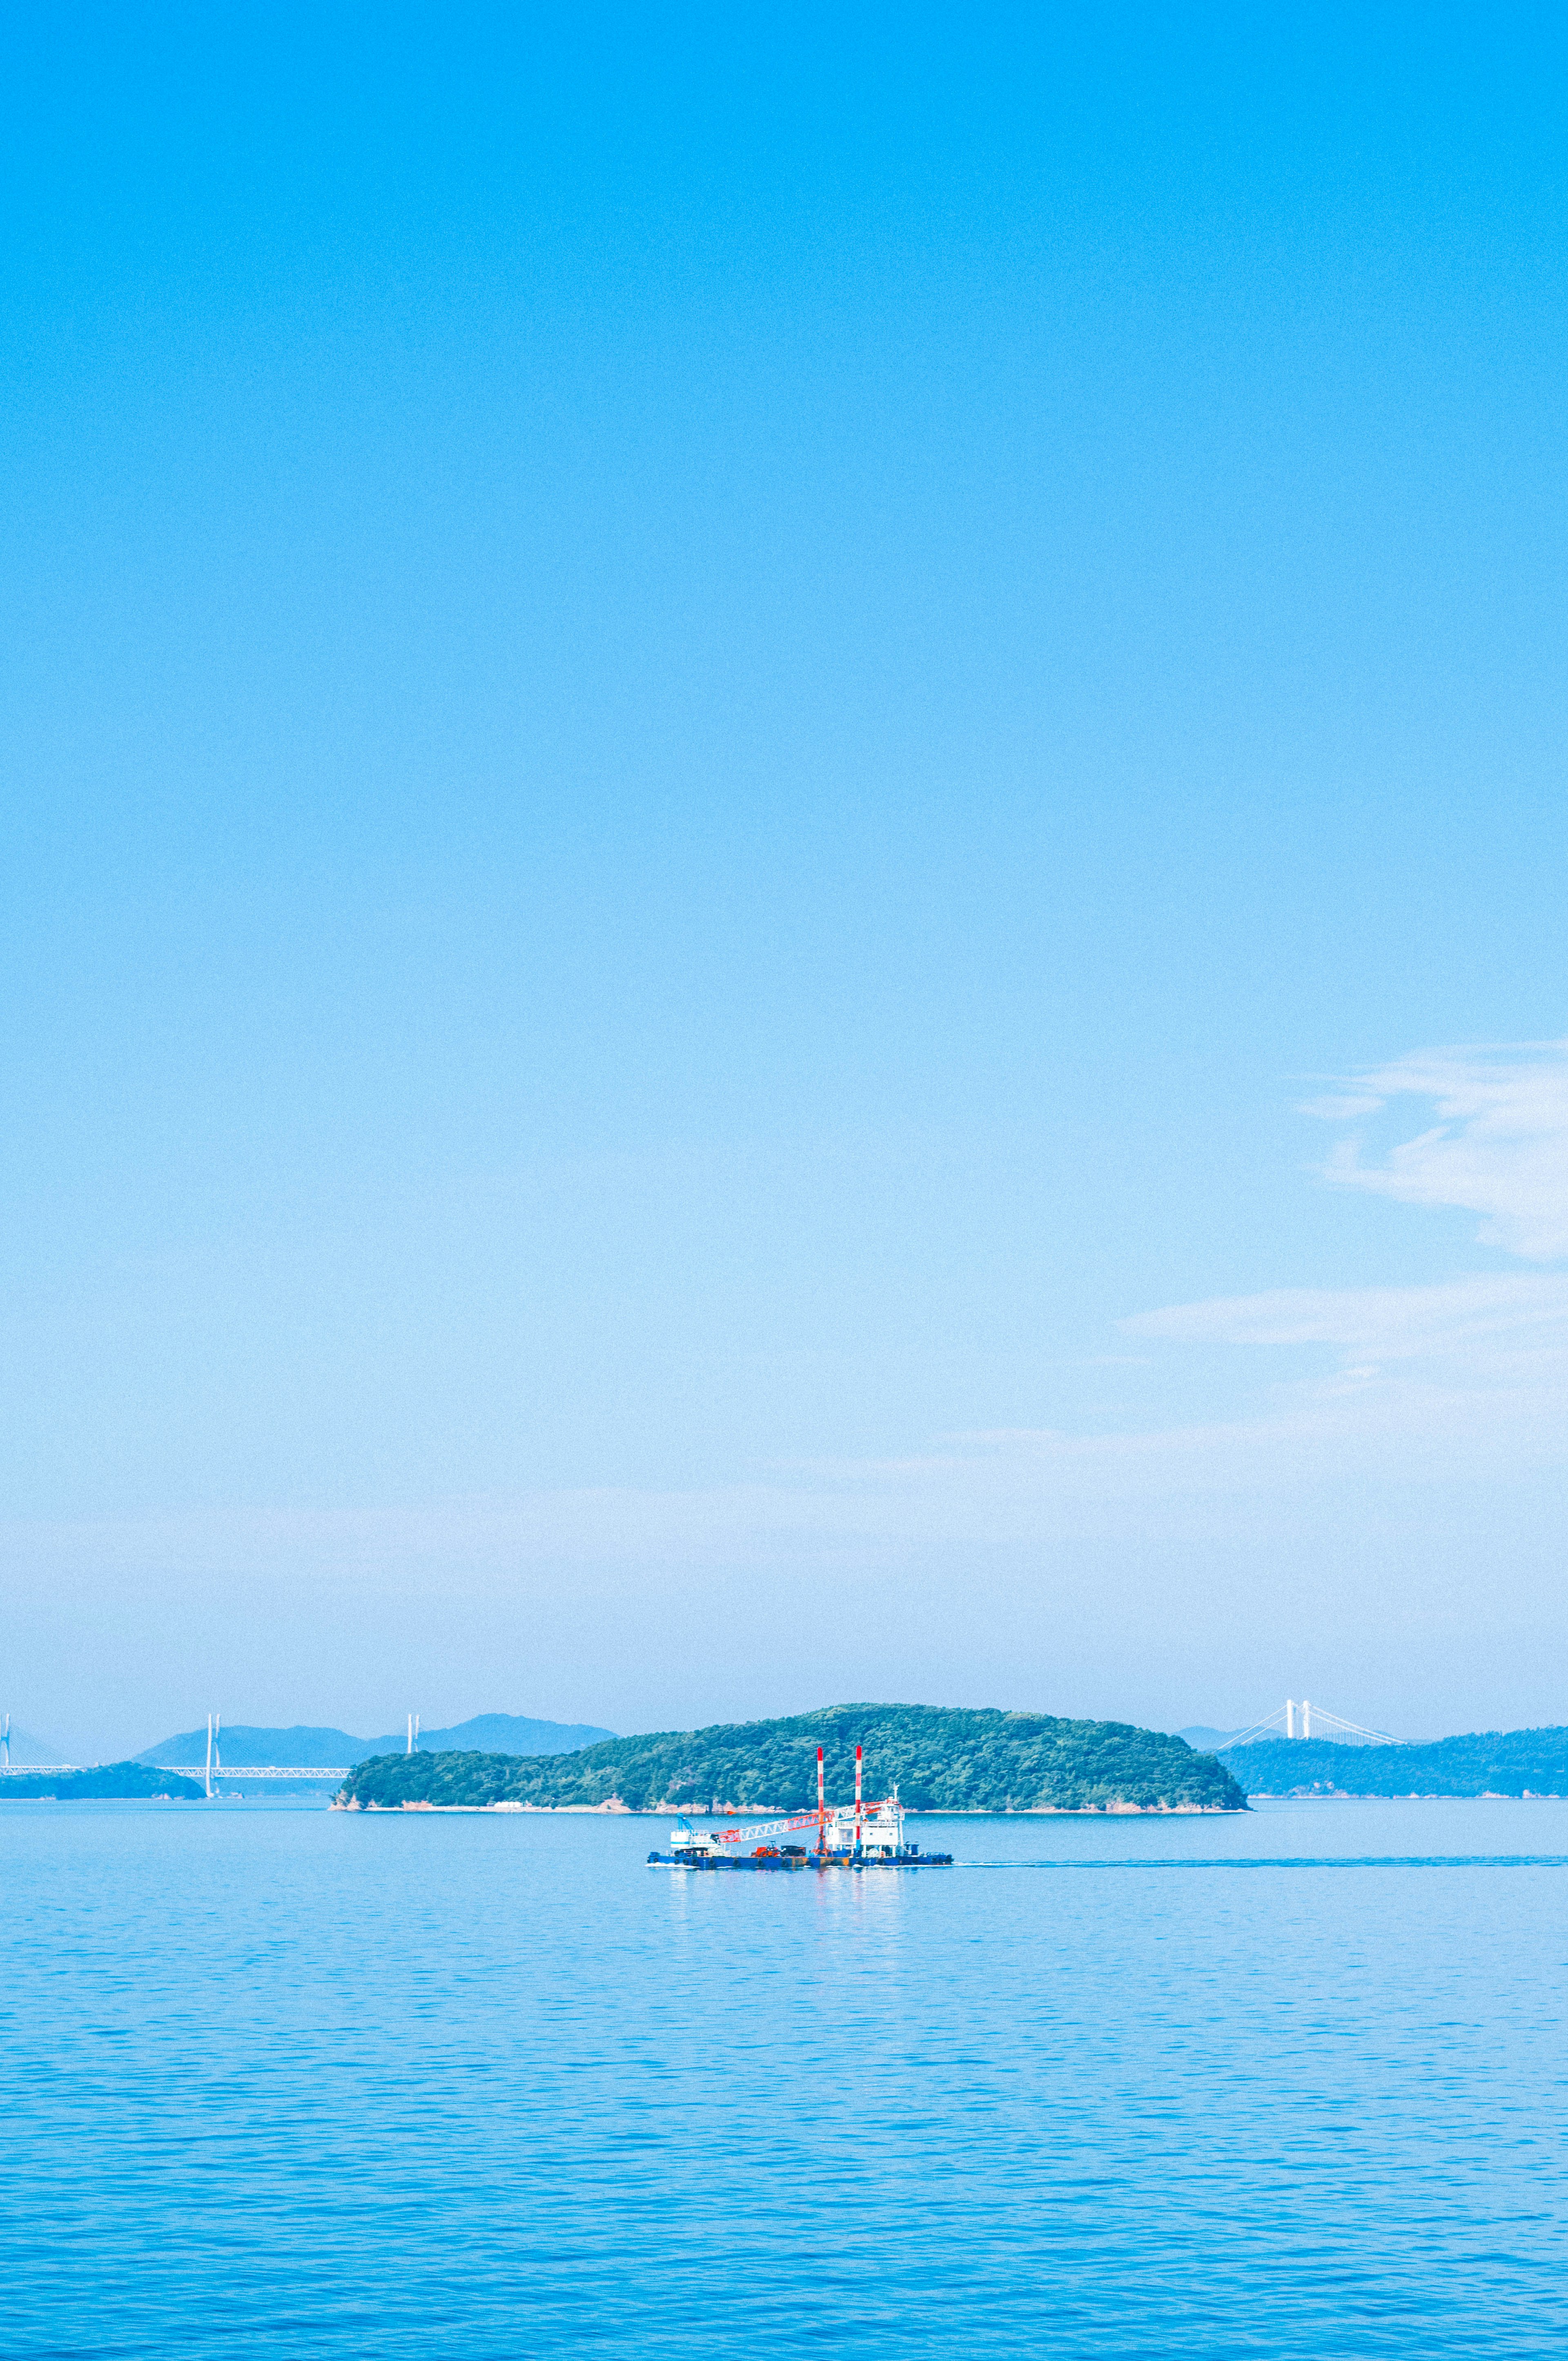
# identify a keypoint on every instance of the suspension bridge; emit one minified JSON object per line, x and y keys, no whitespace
{"x":211,"y":1770}
{"x":1299,"y":1718}
{"x":317,"y":1775}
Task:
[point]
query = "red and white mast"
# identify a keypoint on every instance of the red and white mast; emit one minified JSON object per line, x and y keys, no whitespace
{"x":857,"y":1845}
{"x":821,"y":1808}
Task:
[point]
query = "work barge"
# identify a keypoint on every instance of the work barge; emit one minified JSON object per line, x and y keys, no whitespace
{"x":861,"y":1834}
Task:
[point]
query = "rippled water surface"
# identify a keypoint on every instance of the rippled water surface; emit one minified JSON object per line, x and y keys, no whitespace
{"x":287,"y":2083}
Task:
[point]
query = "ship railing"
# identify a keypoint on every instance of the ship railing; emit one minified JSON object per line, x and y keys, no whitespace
{"x":837,"y":1812}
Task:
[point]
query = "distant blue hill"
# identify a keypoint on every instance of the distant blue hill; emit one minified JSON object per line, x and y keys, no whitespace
{"x":243,"y":1745}
{"x":491,"y":1733}
{"x":118,"y":1780}
{"x":1482,"y":1762}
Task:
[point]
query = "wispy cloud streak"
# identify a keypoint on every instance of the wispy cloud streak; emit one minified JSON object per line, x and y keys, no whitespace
{"x":1499,"y":1147}
{"x":1514,"y":1310}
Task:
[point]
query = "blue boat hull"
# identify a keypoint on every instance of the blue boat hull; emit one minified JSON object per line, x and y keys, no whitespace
{"x":809,"y":1861}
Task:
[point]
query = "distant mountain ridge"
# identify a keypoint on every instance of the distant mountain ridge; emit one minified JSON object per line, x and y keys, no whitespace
{"x":944,"y":1759}
{"x":245,"y":1745}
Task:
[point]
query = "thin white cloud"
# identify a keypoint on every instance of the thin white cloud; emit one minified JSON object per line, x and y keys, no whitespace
{"x":1516,"y":1310}
{"x":1499,"y":1147}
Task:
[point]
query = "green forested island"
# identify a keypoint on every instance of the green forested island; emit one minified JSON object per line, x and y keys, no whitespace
{"x":1486,"y":1763}
{"x":943,"y":1759}
{"x":106,"y":1781}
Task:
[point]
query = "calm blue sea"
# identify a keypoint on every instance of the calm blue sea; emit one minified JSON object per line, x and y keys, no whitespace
{"x":281,"y":2082}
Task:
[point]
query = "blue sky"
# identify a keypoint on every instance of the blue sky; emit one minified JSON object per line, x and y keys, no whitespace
{"x":709,"y":729}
